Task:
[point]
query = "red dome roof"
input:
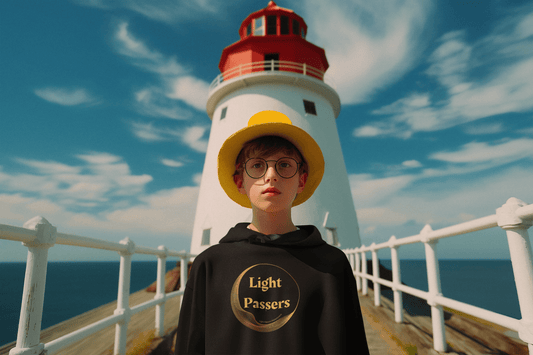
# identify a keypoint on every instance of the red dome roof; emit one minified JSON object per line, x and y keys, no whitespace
{"x":273,"y":35}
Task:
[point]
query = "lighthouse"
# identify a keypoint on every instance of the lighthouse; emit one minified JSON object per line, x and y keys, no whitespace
{"x":273,"y":67}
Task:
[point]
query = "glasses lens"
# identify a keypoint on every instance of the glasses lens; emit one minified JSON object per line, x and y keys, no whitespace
{"x":286,"y":167}
{"x":256,"y":167}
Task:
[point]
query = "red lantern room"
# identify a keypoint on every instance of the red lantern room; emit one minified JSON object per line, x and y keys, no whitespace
{"x":273,"y":39}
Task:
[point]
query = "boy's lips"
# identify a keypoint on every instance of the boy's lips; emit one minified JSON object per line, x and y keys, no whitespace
{"x":271,"y":190}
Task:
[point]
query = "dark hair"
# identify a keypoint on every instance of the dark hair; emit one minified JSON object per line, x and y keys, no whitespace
{"x":266,"y":146}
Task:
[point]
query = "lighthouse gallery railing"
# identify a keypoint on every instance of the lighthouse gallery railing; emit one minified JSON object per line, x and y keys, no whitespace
{"x":38,"y":235}
{"x":515,"y":217}
{"x":271,"y":66}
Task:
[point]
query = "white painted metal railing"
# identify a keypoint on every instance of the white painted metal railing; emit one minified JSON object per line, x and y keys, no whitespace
{"x":38,"y":235}
{"x":271,"y":66}
{"x":515,"y":217}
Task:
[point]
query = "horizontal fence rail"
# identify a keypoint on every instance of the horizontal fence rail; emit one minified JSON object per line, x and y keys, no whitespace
{"x":38,"y":235}
{"x":270,"y":66}
{"x":514,"y":217}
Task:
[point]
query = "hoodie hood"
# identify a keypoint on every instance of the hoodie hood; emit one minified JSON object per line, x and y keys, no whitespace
{"x":305,"y":237}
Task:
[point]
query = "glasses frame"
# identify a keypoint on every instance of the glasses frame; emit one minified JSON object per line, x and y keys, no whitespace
{"x":275,"y":167}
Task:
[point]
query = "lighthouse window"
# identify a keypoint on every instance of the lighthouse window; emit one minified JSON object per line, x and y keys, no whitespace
{"x":284,"y":25}
{"x":223,"y":113}
{"x":295,"y":27}
{"x":259,"y":26}
{"x":271,"y":25}
{"x":309,"y":107}
{"x":206,"y":237}
{"x":249,"y":29}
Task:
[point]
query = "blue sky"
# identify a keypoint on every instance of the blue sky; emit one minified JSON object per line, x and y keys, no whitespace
{"x":104,"y":130}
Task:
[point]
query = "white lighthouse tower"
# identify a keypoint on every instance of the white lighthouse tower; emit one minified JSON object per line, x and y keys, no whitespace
{"x":273,"y":67}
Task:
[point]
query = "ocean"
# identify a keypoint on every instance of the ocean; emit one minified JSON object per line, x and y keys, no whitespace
{"x":71,"y":289}
{"x":76,"y":287}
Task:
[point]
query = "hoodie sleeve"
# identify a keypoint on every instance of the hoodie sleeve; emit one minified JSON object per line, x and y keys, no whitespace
{"x":190,"y":338}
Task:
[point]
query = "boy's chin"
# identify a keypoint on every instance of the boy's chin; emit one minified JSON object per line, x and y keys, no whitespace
{"x":271,"y":207}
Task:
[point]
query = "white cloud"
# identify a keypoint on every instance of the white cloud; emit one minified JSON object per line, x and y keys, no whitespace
{"x":164,"y":217}
{"x":511,"y":90}
{"x":66,"y":97}
{"x":191,"y":90}
{"x":168,"y":11}
{"x":50,"y":167}
{"x":167,"y":212}
{"x":475,"y":152}
{"x":439,"y":203}
{"x":412,"y":164}
{"x":102,"y":177}
{"x":369,"y":44}
{"x":451,"y":60}
{"x":505,"y":84}
{"x":99,"y":158}
{"x":144,"y":57}
{"x":154,"y":102}
{"x":172,"y":163}
{"x":192,"y":136}
{"x":372,"y":191}
{"x":449,"y":195}
{"x":177,"y":86}
{"x":147,"y":132}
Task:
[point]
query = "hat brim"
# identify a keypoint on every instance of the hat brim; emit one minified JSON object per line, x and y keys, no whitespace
{"x":307,"y":146}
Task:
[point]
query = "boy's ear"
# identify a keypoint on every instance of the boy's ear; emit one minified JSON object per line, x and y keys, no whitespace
{"x":301,"y":184}
{"x":239,"y":182}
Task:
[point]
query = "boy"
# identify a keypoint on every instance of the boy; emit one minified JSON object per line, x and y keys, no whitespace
{"x":270,"y":287}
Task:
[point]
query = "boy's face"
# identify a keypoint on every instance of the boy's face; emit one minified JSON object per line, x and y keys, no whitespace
{"x":271,"y":193}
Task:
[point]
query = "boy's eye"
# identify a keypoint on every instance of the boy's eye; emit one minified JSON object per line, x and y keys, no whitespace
{"x":256,"y":164}
{"x":285,"y":163}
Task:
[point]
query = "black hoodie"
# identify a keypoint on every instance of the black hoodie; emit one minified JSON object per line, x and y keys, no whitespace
{"x":271,"y":294}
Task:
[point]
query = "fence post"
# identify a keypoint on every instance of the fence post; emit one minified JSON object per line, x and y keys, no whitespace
{"x":123,"y":299}
{"x":358,"y":270}
{"x":184,"y":269}
{"x":364,"y":277}
{"x":396,"y":280}
{"x":522,"y":261}
{"x":31,"y":311}
{"x":375,"y":274}
{"x":351,"y":258}
{"x":433,"y":273}
{"x":161,"y":292}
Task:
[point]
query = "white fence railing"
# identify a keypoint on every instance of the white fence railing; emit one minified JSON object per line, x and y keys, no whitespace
{"x":270,"y":66}
{"x":515,"y":217}
{"x":38,"y":235}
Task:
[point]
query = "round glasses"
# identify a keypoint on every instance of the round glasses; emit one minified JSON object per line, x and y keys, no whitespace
{"x":285,"y":167}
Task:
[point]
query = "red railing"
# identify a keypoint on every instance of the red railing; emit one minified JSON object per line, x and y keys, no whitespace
{"x":271,"y":66}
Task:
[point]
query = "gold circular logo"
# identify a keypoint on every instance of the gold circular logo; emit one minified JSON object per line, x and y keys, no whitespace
{"x":264,"y":297}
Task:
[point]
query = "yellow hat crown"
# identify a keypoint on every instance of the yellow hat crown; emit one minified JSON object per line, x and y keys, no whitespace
{"x":268,"y":117}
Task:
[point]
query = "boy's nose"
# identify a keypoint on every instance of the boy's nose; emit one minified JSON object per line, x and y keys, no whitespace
{"x":271,"y":173}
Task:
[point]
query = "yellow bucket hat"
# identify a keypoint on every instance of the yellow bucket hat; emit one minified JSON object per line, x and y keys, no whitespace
{"x":269,"y":123}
